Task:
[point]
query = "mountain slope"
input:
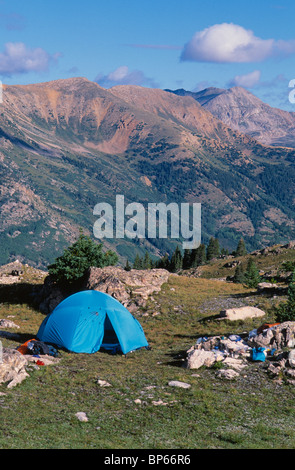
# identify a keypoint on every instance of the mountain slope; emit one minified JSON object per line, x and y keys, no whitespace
{"x":69,"y":144}
{"x":241,"y":110}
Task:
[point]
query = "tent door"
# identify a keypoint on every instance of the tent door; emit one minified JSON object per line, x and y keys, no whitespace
{"x":110,"y":340}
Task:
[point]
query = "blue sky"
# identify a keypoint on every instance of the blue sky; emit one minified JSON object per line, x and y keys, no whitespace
{"x":172,"y":44}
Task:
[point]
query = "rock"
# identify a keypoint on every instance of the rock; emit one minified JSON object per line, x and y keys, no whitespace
{"x":82,"y":416}
{"x":228,"y":374}
{"x":103,"y":383}
{"x":232,"y":264}
{"x":50,"y":296}
{"x":277,"y":337}
{"x":12,"y":367}
{"x":291,"y":358}
{"x":290,"y":373}
{"x":128,"y":287}
{"x":45,"y":358}
{"x":289,"y":245}
{"x":234,"y":363}
{"x":159,"y":403}
{"x":7,"y":324}
{"x":199,"y":357}
{"x":176,"y":383}
{"x":266,"y":285}
{"x":131,"y":288}
{"x":271,"y":288}
{"x":274,"y":369}
{"x":241,"y":313}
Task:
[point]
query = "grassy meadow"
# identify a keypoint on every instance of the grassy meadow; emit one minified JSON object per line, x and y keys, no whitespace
{"x":140,"y":410}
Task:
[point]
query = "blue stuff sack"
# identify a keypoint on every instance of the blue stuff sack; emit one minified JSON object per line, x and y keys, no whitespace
{"x":258,"y":354}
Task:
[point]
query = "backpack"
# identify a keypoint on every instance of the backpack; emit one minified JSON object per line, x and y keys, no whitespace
{"x":39,"y":348}
{"x":258,"y":354}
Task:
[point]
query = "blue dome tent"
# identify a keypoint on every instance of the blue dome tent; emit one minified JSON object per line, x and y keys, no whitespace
{"x":90,"y":320}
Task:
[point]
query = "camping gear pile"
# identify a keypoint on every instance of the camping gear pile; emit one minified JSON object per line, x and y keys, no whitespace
{"x":37,"y":348}
{"x":273,"y":343}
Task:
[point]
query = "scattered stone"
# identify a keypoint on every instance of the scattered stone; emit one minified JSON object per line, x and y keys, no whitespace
{"x":7,"y":324}
{"x":137,"y":401}
{"x":159,"y":403}
{"x":103,"y":383}
{"x":234,"y":363}
{"x":176,"y":383}
{"x":228,"y":374}
{"x":82,"y":416}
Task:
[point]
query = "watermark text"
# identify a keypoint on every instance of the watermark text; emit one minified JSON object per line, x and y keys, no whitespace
{"x":157,"y":220}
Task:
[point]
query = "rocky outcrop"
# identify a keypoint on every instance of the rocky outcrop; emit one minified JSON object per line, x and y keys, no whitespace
{"x":16,"y":272}
{"x":131,"y":288}
{"x":278,"y":337}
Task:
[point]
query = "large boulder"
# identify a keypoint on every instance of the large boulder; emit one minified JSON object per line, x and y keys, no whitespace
{"x":131,"y":288}
{"x":241,"y":313}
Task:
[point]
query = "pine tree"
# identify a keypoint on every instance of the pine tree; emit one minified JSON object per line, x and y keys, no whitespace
{"x":213,"y":249}
{"x":286,"y":310}
{"x":187,"y":258}
{"x":127,"y":266}
{"x":198,"y":256}
{"x":176,"y":260}
{"x":163,"y":263}
{"x":239,"y":276}
{"x":137,"y":262}
{"x":146,"y":262}
{"x":252,"y":277}
{"x":241,"y":248}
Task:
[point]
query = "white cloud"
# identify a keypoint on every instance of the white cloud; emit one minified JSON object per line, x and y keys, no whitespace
{"x":230,"y":43}
{"x":248,"y":80}
{"x":123,"y":76}
{"x":17,"y":58}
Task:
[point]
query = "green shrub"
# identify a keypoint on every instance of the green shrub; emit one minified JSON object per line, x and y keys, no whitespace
{"x":78,"y":258}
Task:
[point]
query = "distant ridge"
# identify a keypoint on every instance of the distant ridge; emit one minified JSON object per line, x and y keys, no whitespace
{"x":241,"y":110}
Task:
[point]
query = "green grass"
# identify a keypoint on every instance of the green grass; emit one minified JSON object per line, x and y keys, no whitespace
{"x":251,"y":412}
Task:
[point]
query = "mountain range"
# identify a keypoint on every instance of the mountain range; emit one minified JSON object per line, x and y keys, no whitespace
{"x":241,"y":110}
{"x":69,"y":144}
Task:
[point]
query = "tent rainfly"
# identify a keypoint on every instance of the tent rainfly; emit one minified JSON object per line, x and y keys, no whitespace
{"x":89,"y":321}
